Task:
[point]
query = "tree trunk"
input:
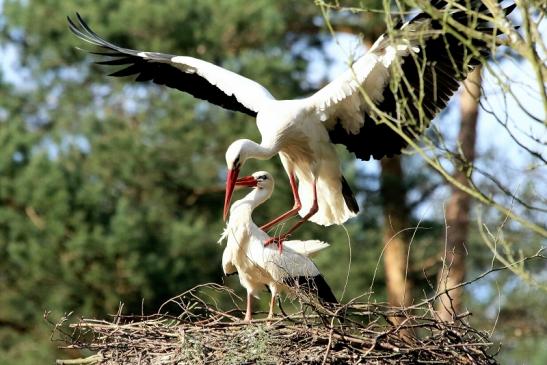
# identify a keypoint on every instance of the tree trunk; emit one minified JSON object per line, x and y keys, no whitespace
{"x":396,"y":238}
{"x":457,"y":211}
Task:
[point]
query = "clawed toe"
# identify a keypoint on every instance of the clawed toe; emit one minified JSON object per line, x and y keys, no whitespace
{"x":278,"y":240}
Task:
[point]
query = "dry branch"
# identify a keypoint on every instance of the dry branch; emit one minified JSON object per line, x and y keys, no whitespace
{"x":202,"y":332}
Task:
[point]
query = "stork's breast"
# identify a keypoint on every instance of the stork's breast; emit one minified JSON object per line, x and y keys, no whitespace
{"x":297,"y":146}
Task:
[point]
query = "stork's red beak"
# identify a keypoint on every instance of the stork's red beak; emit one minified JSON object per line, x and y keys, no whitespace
{"x":250,"y":181}
{"x":231,"y":179}
{"x":231,"y":182}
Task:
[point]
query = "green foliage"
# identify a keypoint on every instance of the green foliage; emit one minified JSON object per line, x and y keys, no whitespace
{"x":112,"y":191}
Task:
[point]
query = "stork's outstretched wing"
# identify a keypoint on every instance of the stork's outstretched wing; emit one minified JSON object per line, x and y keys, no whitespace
{"x":199,"y":78}
{"x":425,"y":62}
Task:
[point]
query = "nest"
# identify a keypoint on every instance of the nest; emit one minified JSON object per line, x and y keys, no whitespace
{"x":202,"y":332}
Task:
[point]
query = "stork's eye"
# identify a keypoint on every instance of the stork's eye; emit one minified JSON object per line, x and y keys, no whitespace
{"x":236,"y":162}
{"x":262,"y":177}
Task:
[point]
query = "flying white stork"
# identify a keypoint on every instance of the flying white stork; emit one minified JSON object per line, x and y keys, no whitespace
{"x":425,"y":59}
{"x":258,"y":265}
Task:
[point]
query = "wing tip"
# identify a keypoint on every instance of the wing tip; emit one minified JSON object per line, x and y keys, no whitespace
{"x":83,"y":31}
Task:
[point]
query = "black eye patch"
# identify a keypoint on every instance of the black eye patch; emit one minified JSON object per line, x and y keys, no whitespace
{"x":262,"y":177}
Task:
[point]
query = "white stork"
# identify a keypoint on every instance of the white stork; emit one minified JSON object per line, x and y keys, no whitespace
{"x":430,"y":61}
{"x":258,"y":265}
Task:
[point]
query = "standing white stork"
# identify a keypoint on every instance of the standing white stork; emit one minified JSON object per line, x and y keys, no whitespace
{"x":425,"y":60}
{"x":258,"y":265}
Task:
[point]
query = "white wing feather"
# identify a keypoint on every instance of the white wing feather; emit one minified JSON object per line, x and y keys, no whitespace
{"x":307,"y":248}
{"x":342,"y":98}
{"x":227,"y":261}
{"x":248,"y":92}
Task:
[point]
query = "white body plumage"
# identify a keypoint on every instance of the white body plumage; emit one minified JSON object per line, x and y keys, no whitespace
{"x":257,"y":265}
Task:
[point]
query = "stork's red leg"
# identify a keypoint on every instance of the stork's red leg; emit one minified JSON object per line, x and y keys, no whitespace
{"x":272,"y":303}
{"x":314,"y":208}
{"x":290,"y":213}
{"x":248,"y":313}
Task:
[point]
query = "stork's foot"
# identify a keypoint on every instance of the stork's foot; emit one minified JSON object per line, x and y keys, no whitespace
{"x":278,"y":240}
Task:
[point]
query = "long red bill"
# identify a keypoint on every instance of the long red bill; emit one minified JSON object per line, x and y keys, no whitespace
{"x":231,"y":179}
{"x":247,"y":181}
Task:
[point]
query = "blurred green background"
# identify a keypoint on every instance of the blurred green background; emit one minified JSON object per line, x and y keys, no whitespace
{"x":111,"y":191}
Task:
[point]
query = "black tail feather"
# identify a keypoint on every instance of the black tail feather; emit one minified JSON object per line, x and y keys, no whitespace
{"x":349,"y":197}
{"x":324,"y":292}
{"x":313,"y":284}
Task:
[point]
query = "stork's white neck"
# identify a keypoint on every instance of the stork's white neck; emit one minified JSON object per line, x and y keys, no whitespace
{"x":252,"y":200}
{"x":241,"y":228}
{"x":261,"y":151}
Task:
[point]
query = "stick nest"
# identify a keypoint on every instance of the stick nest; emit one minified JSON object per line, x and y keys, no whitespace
{"x":201,"y":332}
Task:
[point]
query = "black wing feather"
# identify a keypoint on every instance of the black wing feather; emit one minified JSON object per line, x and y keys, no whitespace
{"x":158,"y":70}
{"x":448,"y":63}
{"x":115,"y":62}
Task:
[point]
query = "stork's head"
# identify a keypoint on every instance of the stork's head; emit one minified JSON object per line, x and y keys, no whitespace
{"x":262,"y":183}
{"x":264,"y":186}
{"x":238,"y":152}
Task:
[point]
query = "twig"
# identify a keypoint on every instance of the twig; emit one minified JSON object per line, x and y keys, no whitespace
{"x":349,"y":333}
